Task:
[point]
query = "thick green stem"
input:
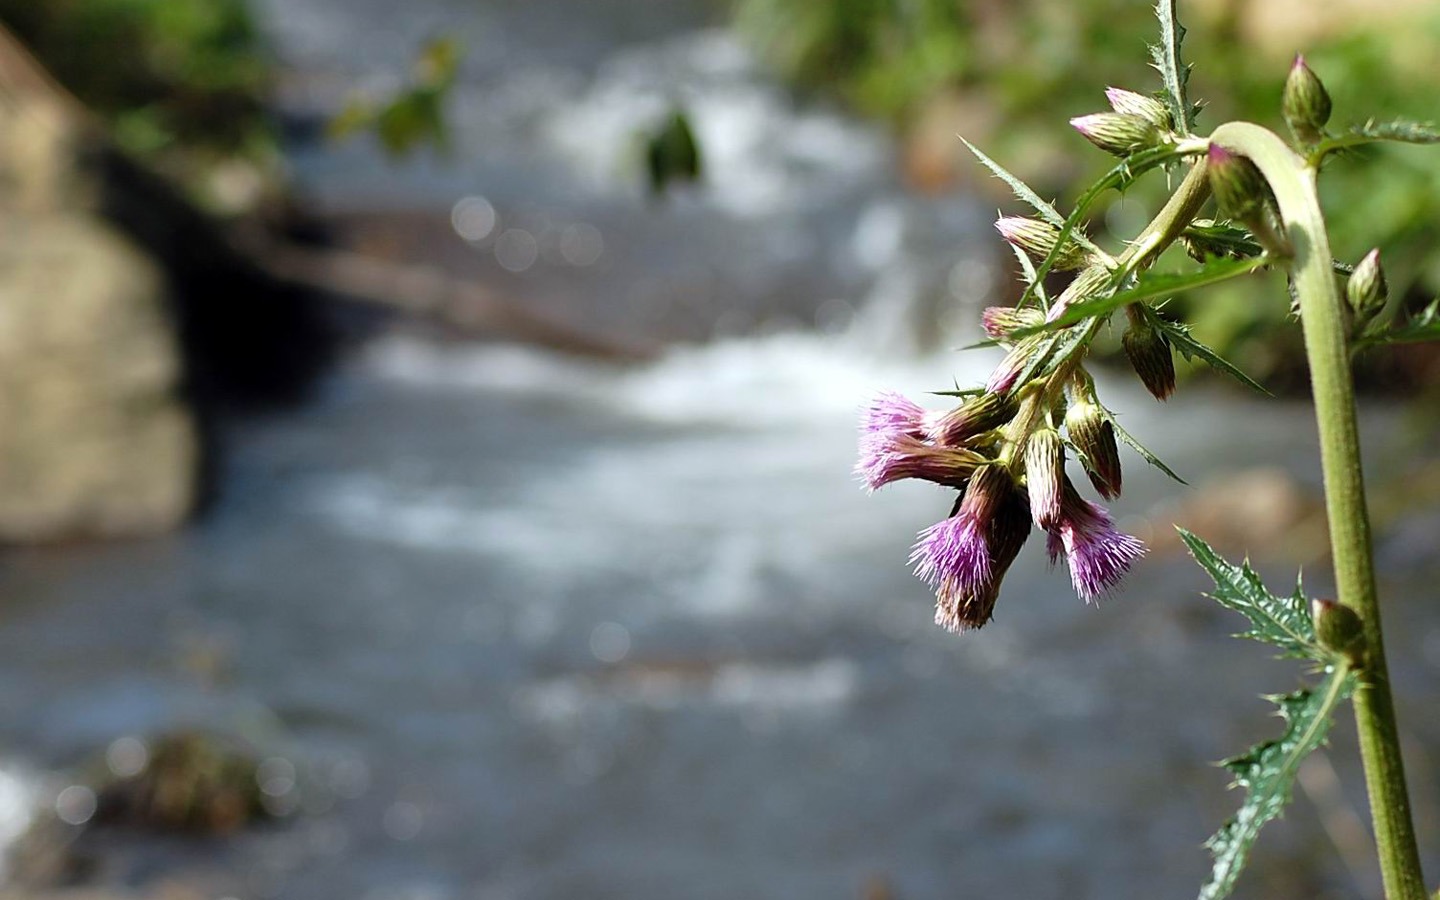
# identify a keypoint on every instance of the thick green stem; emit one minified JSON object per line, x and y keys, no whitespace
{"x":1326,"y":346}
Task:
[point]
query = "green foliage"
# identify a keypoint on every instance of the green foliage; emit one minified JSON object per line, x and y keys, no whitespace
{"x":1150,"y":286}
{"x":1421,"y":327}
{"x":1178,"y":334}
{"x":415,"y":114}
{"x":1174,"y":75}
{"x":1267,"y":774}
{"x":1282,"y":622}
{"x":672,"y":154}
{"x":171,"y":76}
{"x":1018,"y":67}
{"x":1267,"y":771}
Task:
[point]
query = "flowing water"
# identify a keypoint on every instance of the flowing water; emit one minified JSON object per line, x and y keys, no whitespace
{"x":527,"y":627}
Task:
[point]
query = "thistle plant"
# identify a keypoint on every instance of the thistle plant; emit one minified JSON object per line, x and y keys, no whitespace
{"x":1246,"y":200}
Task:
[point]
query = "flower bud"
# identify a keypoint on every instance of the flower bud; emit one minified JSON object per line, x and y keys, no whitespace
{"x":1118,"y":133}
{"x":1240,"y":190}
{"x":1038,"y":239}
{"x":1305,"y":103}
{"x":1133,"y":104}
{"x":1002,"y":380}
{"x":1338,"y":628}
{"x":1149,"y":353}
{"x":1094,"y":438}
{"x":1045,"y":476}
{"x":1000,"y":322}
{"x":973,"y":417}
{"x":989,"y":489}
{"x":1366,"y":290}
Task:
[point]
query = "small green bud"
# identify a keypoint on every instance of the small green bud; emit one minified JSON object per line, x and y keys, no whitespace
{"x":1338,"y":628}
{"x":1305,"y":103}
{"x":1149,"y":352}
{"x":1240,"y":190}
{"x":1093,"y":436}
{"x":1045,"y":476}
{"x":973,"y":417}
{"x":1118,"y":133}
{"x":1366,"y":290}
{"x":1038,"y":239}
{"x":1132,"y":104}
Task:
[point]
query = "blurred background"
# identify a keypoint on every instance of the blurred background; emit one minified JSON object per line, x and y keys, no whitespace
{"x":425,"y":446}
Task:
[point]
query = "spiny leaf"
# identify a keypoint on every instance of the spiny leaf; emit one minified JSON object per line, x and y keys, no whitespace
{"x":1267,"y":773}
{"x":1372,"y":132}
{"x":1180,"y":339}
{"x":1283,"y":622}
{"x":1173,"y":74}
{"x":1033,"y":287}
{"x":1423,"y":326}
{"x":1145,"y":454}
{"x":1149,"y":286}
{"x":1023,"y":191}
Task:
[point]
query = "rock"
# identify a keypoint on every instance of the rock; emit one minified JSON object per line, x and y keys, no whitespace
{"x":96,"y":439}
{"x":1260,"y":512}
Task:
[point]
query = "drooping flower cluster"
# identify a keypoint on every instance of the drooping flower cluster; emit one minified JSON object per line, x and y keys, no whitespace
{"x":1004,"y":449}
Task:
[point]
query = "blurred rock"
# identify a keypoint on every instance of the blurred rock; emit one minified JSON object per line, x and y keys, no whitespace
{"x":1259,"y":512}
{"x":193,"y":784}
{"x":95,"y":439}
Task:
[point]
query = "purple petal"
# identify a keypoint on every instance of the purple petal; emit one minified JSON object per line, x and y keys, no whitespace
{"x":890,"y":413}
{"x":952,"y":556}
{"x":1099,"y":555}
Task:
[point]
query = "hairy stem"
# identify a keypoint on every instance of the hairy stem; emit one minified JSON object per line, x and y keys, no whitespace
{"x":1326,"y":346}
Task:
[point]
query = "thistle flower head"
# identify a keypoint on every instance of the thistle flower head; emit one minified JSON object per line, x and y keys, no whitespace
{"x":1000,"y":322}
{"x":965,"y":556}
{"x":1118,"y":133}
{"x":891,"y":413}
{"x":1133,"y":104}
{"x":889,"y":457}
{"x":973,"y":417}
{"x":1093,"y":436}
{"x":1305,"y":103}
{"x":1045,"y":475}
{"x":1149,"y":353}
{"x":1007,"y":374}
{"x":1097,"y":554}
{"x":1039,"y":239}
{"x":1240,"y":190}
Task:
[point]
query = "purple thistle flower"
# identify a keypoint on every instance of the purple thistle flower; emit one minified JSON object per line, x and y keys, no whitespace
{"x":952,"y":556}
{"x":1098,"y":554}
{"x":886,"y":458}
{"x":890,"y":413}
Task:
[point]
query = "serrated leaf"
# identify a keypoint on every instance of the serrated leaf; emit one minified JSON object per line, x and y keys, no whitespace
{"x":1150,"y":286}
{"x":1173,"y":74}
{"x":1423,"y":326}
{"x":1128,"y":440}
{"x":1282,"y":622}
{"x":1267,"y":773}
{"x":1188,"y":347}
{"x":1023,"y":191}
{"x":1371,"y":132}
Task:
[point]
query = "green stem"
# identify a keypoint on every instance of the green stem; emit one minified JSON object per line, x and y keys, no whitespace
{"x":1323,"y":317}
